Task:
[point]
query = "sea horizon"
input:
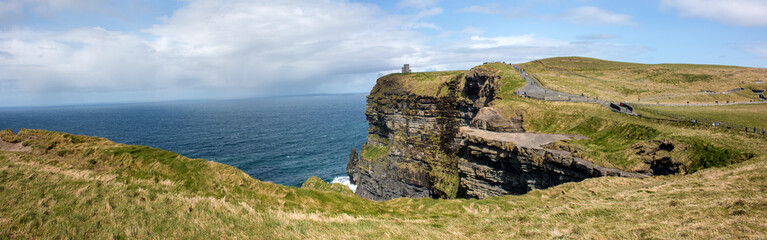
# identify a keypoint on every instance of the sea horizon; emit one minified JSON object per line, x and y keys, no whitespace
{"x":281,"y":139}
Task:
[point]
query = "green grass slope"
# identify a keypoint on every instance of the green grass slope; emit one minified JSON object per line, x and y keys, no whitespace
{"x":82,"y":187}
{"x":615,"y":139}
{"x":57,"y":185}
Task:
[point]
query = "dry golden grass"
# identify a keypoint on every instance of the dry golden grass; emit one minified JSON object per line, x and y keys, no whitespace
{"x":629,"y":82}
{"x":44,"y":195}
{"x":418,"y":83}
{"x":91,"y":188}
{"x":751,"y":115}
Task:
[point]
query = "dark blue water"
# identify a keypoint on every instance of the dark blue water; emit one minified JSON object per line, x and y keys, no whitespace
{"x":281,"y":140}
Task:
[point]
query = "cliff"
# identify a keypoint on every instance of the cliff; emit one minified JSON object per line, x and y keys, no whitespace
{"x":57,"y":185}
{"x":393,"y":163}
{"x":461,"y":135}
{"x":494,"y":164}
{"x":422,"y":146}
{"x":414,"y":134}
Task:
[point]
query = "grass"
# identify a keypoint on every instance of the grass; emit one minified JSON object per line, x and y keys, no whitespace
{"x":44,"y":195}
{"x":71,"y":186}
{"x":630,"y":82}
{"x":614,"y":136}
{"x":374,"y":152}
{"x":753,"y":115}
{"x":419,"y":83}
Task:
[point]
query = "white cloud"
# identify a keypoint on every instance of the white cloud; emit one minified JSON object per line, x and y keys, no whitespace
{"x":81,"y":59}
{"x":492,"y":8}
{"x":472,"y":30}
{"x":419,"y":4}
{"x":423,"y":14}
{"x":738,"y":12}
{"x":423,"y":25}
{"x":527,"y":40}
{"x":516,"y":11}
{"x":759,"y":49}
{"x":242,"y":48}
{"x":594,"y":15}
{"x":426,"y":13}
{"x":213,"y":45}
{"x":10,"y":10}
{"x":516,"y":48}
{"x":600,"y":36}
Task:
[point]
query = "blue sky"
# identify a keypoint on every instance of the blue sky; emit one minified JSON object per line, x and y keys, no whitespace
{"x":58,"y":52}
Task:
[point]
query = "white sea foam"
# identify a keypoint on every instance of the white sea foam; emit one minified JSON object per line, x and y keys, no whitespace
{"x":345,"y":181}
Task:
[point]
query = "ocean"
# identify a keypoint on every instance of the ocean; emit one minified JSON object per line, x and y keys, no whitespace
{"x":284,"y":140}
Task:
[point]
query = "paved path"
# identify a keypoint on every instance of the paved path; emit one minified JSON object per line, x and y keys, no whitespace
{"x":527,"y":140}
{"x":550,"y":96}
{"x":534,"y":89}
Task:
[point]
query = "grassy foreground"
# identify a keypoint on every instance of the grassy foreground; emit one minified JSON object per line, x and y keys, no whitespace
{"x":85,"y":187}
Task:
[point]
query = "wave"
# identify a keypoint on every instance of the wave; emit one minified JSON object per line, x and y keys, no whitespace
{"x":345,"y":181}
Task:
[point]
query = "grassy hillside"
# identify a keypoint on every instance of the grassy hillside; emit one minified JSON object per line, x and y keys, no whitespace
{"x":85,"y":187}
{"x":57,"y":185}
{"x":615,"y":139}
{"x":753,"y":115}
{"x":418,"y":83}
{"x":664,"y":83}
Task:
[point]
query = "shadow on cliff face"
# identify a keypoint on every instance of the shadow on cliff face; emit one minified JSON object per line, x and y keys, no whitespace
{"x":481,"y":86}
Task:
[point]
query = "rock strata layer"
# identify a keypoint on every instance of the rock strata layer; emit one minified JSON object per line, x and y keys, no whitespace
{"x":489,"y":119}
{"x":416,"y":149}
{"x":493,"y":164}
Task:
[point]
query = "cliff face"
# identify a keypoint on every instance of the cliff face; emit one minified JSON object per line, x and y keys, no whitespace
{"x":407,"y":127}
{"x":493,"y":166}
{"x":422,"y":146}
{"x":401,"y":124}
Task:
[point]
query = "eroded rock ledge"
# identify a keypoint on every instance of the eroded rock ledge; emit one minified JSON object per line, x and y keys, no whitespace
{"x":495,"y":164}
{"x":439,"y":145}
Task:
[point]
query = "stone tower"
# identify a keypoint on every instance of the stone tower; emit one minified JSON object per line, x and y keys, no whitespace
{"x":406,"y":68}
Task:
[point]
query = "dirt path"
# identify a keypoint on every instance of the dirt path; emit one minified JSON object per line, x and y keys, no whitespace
{"x":13,"y":147}
{"x":527,"y":140}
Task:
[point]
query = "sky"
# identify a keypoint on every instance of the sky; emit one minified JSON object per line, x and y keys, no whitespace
{"x":68,"y":52}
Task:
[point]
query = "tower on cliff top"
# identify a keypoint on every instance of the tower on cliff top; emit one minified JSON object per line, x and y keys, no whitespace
{"x":406,"y":68}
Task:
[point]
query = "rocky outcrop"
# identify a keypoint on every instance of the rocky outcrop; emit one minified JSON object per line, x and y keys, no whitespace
{"x":391,"y":177}
{"x":406,"y":125}
{"x":403,"y":124}
{"x":493,"y":164}
{"x":481,"y":86}
{"x":351,"y":167}
{"x":657,"y":155}
{"x":414,"y":147}
{"x":489,"y":119}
